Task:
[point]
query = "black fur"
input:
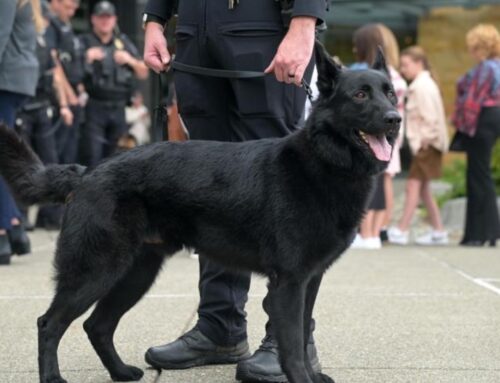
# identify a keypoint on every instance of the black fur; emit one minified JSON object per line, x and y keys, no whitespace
{"x":285,"y":208}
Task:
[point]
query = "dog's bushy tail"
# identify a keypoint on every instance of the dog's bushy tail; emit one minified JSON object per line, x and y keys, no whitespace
{"x":29,"y":179}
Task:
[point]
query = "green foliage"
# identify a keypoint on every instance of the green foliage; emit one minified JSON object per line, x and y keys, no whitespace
{"x":454,"y":174}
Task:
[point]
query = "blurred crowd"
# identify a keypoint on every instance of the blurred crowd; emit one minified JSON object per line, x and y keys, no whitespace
{"x":75,"y":99}
{"x":476,"y":119}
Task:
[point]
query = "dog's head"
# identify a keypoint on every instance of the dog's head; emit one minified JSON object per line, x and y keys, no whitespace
{"x":356,"y":113}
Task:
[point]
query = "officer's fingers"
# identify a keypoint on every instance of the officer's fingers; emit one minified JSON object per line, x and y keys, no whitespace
{"x":154,"y":63}
{"x":279,"y":71}
{"x":162,"y":52}
{"x":153,"y":59}
{"x":299,"y":74}
{"x":270,"y":68}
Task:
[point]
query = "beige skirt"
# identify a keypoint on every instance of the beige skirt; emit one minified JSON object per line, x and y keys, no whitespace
{"x":426,"y":164}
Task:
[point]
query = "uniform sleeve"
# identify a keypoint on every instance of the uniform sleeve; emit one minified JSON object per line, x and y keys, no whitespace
{"x":130,"y":47}
{"x":8,"y":12}
{"x":51,"y":37}
{"x":313,"y":8}
{"x":160,"y":8}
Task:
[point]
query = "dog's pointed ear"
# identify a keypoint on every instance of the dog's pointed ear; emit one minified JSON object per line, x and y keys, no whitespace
{"x":328,"y":70}
{"x":380,"y":63}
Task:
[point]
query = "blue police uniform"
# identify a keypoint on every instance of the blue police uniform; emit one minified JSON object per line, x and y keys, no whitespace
{"x":243,"y":37}
{"x":110,"y":87}
{"x":61,"y":37}
{"x":34,"y":121}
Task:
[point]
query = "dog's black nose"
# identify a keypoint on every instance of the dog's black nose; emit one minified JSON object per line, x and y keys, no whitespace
{"x":392,"y":118}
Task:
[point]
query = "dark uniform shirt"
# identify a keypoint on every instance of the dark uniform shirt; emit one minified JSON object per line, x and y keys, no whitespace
{"x":61,"y":37}
{"x":45,"y":85}
{"x":315,"y":8}
{"x":105,"y":79}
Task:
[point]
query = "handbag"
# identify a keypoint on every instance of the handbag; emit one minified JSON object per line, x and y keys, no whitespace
{"x":458,"y":142}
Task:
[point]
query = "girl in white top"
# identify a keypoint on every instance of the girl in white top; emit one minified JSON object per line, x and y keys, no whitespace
{"x":427,"y":135}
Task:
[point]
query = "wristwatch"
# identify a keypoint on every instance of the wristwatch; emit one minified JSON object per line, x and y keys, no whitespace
{"x":148,"y":17}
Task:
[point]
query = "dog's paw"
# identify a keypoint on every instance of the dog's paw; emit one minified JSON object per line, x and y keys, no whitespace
{"x":322,"y":378}
{"x":54,"y":379}
{"x":127,"y":374}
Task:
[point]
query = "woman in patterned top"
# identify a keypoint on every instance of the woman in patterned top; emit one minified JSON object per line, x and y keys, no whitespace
{"x":477,"y":115}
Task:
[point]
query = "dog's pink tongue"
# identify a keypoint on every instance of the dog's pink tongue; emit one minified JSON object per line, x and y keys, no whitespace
{"x":380,"y":147}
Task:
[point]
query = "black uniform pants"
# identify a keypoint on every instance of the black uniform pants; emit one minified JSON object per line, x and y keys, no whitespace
{"x":246,"y":38}
{"x":104,"y":124}
{"x":67,"y":137}
{"x":482,"y":221}
{"x":37,"y":128}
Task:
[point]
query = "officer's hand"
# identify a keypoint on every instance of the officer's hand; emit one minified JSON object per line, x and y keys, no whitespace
{"x":95,"y":54}
{"x":156,"y":55}
{"x":295,"y":51}
{"x":66,"y":115}
{"x":122,"y":57}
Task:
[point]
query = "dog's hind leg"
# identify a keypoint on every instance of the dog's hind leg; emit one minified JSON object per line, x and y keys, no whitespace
{"x":311,"y":294}
{"x":72,"y":299}
{"x":286,"y":301}
{"x":101,"y":325}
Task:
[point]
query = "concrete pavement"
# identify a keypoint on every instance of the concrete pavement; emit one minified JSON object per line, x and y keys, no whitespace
{"x":400,"y":314}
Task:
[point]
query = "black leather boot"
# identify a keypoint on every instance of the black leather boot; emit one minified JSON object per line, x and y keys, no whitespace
{"x":19,"y":240}
{"x":5,"y":250}
{"x":264,"y":365}
{"x":194,"y":349}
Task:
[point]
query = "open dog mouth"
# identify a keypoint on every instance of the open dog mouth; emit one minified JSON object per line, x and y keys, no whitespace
{"x":379,"y":145}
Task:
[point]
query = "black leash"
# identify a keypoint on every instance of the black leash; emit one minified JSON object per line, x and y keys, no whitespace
{"x":225,"y":73}
{"x":160,"y":118}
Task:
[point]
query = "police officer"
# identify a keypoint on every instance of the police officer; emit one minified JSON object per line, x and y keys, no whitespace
{"x":112,"y":64}
{"x":34,"y":120}
{"x":253,"y":35}
{"x":62,"y":39}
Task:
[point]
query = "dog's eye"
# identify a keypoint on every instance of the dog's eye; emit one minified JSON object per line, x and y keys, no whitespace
{"x":360,"y":95}
{"x":391,"y":94}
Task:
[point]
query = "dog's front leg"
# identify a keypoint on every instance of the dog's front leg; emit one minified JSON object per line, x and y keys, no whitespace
{"x":286,"y":302}
{"x":310,"y":299}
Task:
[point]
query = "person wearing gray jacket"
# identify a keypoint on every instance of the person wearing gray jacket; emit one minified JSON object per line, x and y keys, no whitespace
{"x":18,"y":79}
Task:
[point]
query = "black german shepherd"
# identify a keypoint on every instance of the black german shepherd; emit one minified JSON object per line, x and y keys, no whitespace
{"x":285,"y":208}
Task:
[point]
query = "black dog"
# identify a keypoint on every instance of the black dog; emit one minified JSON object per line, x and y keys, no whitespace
{"x":285,"y":208}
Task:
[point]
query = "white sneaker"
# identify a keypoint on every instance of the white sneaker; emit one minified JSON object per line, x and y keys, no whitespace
{"x":397,"y":236}
{"x":373,"y":243}
{"x":366,"y":243}
{"x":432,"y":238}
{"x":358,"y":242}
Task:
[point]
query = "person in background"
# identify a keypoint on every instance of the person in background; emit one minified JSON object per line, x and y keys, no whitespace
{"x":427,"y":135}
{"x":391,"y":50}
{"x":477,"y":116}
{"x":366,"y":41}
{"x":241,"y":35}
{"x":138,"y":120}
{"x":112,"y":63}
{"x":34,"y":119}
{"x":18,"y":78}
{"x":67,"y":49}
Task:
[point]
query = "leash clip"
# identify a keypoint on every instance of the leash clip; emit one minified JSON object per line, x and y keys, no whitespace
{"x":308,"y":90}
